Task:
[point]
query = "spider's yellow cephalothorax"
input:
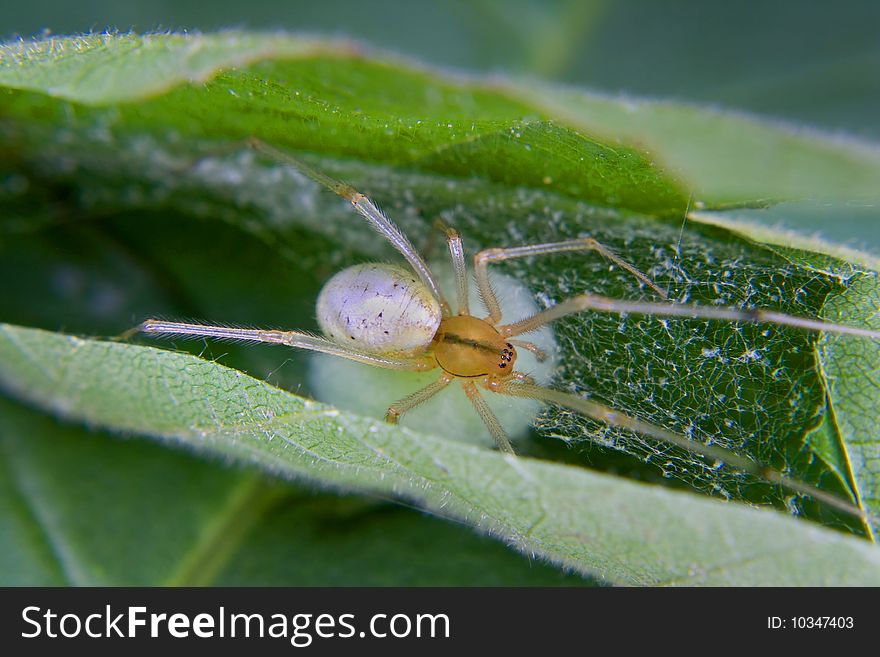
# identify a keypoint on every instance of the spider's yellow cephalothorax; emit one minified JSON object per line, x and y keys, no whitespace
{"x":467,"y":347}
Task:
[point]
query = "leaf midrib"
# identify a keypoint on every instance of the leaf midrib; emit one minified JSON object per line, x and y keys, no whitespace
{"x":219,"y":540}
{"x":68,"y":567}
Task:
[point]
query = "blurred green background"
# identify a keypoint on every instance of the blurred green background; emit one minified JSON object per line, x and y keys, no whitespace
{"x":814,"y":62}
{"x":811,"y":63}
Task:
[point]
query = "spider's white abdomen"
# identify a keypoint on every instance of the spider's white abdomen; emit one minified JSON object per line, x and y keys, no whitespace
{"x":378,"y":308}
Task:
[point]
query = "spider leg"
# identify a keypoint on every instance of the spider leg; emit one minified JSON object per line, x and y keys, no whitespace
{"x":487,"y":416}
{"x":611,"y":417}
{"x":296,"y":339}
{"x":409,"y":402}
{"x":456,"y":252}
{"x":484,"y":258}
{"x":598,"y":303}
{"x":367,"y":209}
{"x":539,"y":353}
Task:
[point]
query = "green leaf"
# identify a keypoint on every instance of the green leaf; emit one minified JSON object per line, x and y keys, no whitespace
{"x":113,"y":68}
{"x":128,"y":194}
{"x":442,"y":136}
{"x":84,"y":508}
{"x":723,"y":156}
{"x":588,"y":521}
{"x":850,"y":368}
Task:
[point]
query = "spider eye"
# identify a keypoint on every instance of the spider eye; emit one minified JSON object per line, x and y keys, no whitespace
{"x":507,"y":356}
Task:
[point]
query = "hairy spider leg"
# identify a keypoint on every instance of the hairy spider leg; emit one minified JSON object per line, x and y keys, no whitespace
{"x":599,"y":303}
{"x":295,"y":339}
{"x":517,"y":387}
{"x":487,"y":256}
{"x":456,"y":253}
{"x":489,"y":418}
{"x":539,"y":353}
{"x":409,"y":402}
{"x":368,"y":210}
